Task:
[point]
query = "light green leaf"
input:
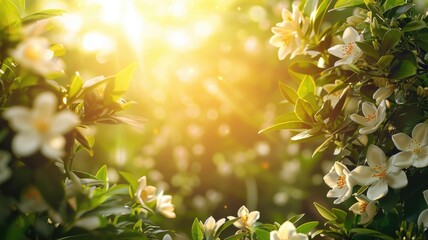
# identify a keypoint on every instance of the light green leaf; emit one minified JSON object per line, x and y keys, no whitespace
{"x":9,"y":13}
{"x":288,"y":92}
{"x":304,"y":111}
{"x":348,"y":3}
{"x":305,"y":228}
{"x":116,"y":88}
{"x":42,"y":15}
{"x":306,"y":87}
{"x":340,"y":214}
{"x":414,"y":26}
{"x":132,"y":180}
{"x":285,"y":125}
{"x":327,"y":214}
{"x":102,"y":174}
{"x":20,"y":5}
{"x":58,"y":49}
{"x":225,"y":226}
{"x":262,"y":234}
{"x":385,"y":61}
{"x":390,"y":39}
{"x":296,"y":218}
{"x":197,"y":232}
{"x":75,"y":86}
{"x":392,"y":3}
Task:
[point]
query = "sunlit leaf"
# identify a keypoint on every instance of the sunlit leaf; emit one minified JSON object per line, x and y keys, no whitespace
{"x":304,"y":111}
{"x":390,"y":39}
{"x":286,"y":125}
{"x":116,"y":88}
{"x":296,"y":218}
{"x":327,"y":214}
{"x":305,"y":228}
{"x":306,"y":87}
{"x":42,"y":15}
{"x":58,"y":49}
{"x":9,"y":13}
{"x":20,"y":5}
{"x":288,"y":92}
{"x":75,"y":86}
{"x":132,"y":180}
{"x":348,"y":3}
{"x":226,"y":225}
{"x":102,"y":174}
{"x":197,"y":232}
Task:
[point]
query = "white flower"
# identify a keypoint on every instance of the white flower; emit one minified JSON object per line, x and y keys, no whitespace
{"x":287,"y":231}
{"x":34,"y":54}
{"x":211,"y":227}
{"x":5,"y":171}
{"x":289,"y":34}
{"x":246,"y":218}
{"x":379,"y":174}
{"x":383,"y":93}
{"x":366,"y":208}
{"x":349,"y":52}
{"x":145,"y":194}
{"x":423,"y":216}
{"x":338,"y":180}
{"x":41,"y":127}
{"x":164,"y":205}
{"x":373,"y":117}
{"x":414,"y":150}
{"x":332,"y":96}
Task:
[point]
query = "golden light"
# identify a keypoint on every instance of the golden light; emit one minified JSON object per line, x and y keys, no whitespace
{"x":97,"y":41}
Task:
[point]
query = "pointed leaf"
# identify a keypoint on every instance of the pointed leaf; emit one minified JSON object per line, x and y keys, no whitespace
{"x":132,"y":180}
{"x":262,"y":234}
{"x":102,"y":174}
{"x":306,"y":87}
{"x":197,"y":232}
{"x":392,"y":3}
{"x":340,"y":214}
{"x":225,"y":226}
{"x":414,"y":26}
{"x":116,"y":88}
{"x":305,"y":228}
{"x":385,"y":61}
{"x":296,"y":218}
{"x":390,"y":39}
{"x":42,"y":15}
{"x":9,"y":13}
{"x":348,"y":3}
{"x":288,"y":92}
{"x":75,"y":86}
{"x":397,"y":11}
{"x":285,"y":125}
{"x":236,"y":236}
{"x":304,"y":111}
{"x":327,"y":214}
{"x":339,"y":105}
{"x":368,"y":49}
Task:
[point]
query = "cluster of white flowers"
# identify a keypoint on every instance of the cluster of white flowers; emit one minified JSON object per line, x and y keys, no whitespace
{"x":150,"y":196}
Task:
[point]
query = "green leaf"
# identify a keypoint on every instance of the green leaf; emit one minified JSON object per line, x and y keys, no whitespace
{"x":385,"y":61}
{"x":86,"y":142}
{"x":262,"y":234}
{"x":323,"y":146}
{"x":305,"y":228}
{"x":340,"y":214}
{"x":390,"y":39}
{"x":116,"y":88}
{"x":76,"y":85}
{"x":288,"y":92}
{"x":369,"y":232}
{"x":45,"y":14}
{"x":285,"y":125}
{"x":58,"y":49}
{"x":296,"y":218}
{"x":327,"y":214}
{"x":304,"y":111}
{"x":225,"y":226}
{"x":236,"y":236}
{"x":9,"y":13}
{"x":102,"y":174}
{"x":392,"y":3}
{"x":414,"y":26}
{"x":303,"y":135}
{"x":348,"y":3}
{"x":306,"y":87}
{"x":397,"y":11}
{"x":197,"y":233}
{"x":132,"y":180}
{"x":49,"y":181}
{"x":368,"y":49}
{"x":20,"y":5}
{"x":404,"y":66}
{"x":340,"y":104}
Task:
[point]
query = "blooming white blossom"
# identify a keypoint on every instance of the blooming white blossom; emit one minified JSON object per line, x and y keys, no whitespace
{"x":414,"y":150}
{"x":34,"y":54}
{"x":379,"y":174}
{"x":5,"y":171}
{"x":290,"y":33}
{"x":366,"y":208}
{"x":349,"y":52}
{"x":246,"y":218}
{"x":41,"y":127}
{"x":338,"y":179}
{"x":383,"y":93}
{"x":332,"y":96}
{"x":164,"y":205}
{"x":372,"y":119}
{"x":211,"y":226}
{"x":145,"y":194}
{"x":287,"y":231}
{"x":423,"y":216}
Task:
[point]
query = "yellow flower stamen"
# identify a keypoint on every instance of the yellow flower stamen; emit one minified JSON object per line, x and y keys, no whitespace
{"x":363,"y":206}
{"x":341,"y":181}
{"x":370,"y":117}
{"x":348,"y":49}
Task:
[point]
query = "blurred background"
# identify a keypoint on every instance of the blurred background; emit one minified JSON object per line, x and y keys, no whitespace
{"x":206,"y":84}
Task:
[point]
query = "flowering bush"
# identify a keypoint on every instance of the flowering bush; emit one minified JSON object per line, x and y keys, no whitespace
{"x":342,"y":56}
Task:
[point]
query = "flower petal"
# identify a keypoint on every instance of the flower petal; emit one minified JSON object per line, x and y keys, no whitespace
{"x":350,"y":35}
{"x":377,"y":190}
{"x":337,"y":50}
{"x":420,"y":133}
{"x":287,"y":229}
{"x":25,"y":144}
{"x":253,"y":217}
{"x":63,"y":122}
{"x":402,"y":141}
{"x":425,"y":193}
{"x":368,"y":109}
{"x":403,"y":159}
{"x":45,"y":105}
{"x":367,"y":130}
{"x":421,"y":159}
{"x":53,"y":147}
{"x":362,"y":175}
{"x":19,"y":118}
{"x":423,"y":218}
{"x":359,"y":119}
{"x":397,"y":180}
{"x":375,"y":156}
{"x":355,"y":208}
{"x":299,"y":236}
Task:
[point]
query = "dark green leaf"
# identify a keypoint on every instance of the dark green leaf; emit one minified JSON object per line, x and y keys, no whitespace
{"x":323,"y":146}
{"x":368,"y":49}
{"x":225,"y":226}
{"x":340,"y":104}
{"x":49,"y":181}
{"x":197,"y":232}
{"x":305,"y":228}
{"x":236,"y":236}
{"x":385,"y":61}
{"x":390,"y":39}
{"x":304,"y":111}
{"x":348,"y":3}
{"x":397,"y":11}
{"x":327,"y":214}
{"x":413,"y":26}
{"x":392,"y":3}
{"x":340,"y":214}
{"x":42,"y":15}
{"x":262,"y":234}
{"x":285,"y":125}
{"x":404,"y":66}
{"x":369,"y":232}
{"x":288,"y":92}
